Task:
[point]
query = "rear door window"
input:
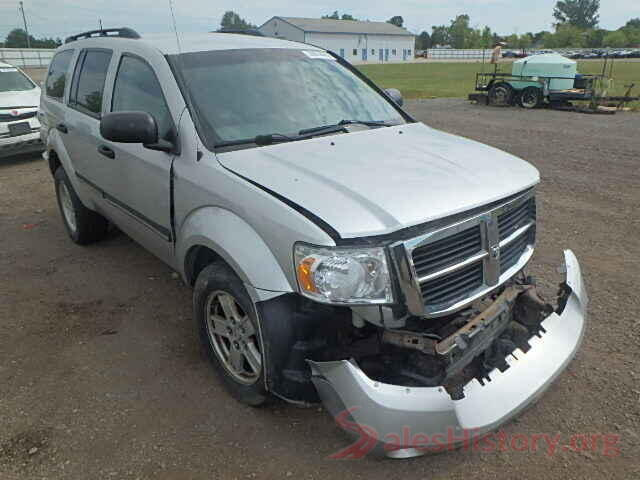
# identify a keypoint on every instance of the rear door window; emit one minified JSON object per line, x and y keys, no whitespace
{"x":88,"y":88}
{"x":57,"y":77}
{"x":137,"y":89}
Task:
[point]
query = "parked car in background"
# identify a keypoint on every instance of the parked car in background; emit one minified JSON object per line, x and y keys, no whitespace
{"x":19,"y":124}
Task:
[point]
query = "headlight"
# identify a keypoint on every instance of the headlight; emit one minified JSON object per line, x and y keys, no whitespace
{"x":343,"y":275}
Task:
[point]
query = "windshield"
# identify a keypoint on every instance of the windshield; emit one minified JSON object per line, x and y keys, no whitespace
{"x":239,"y":94}
{"x":12,"y":80}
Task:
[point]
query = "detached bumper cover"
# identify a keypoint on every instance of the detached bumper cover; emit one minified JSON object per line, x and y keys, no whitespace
{"x":385,"y":411}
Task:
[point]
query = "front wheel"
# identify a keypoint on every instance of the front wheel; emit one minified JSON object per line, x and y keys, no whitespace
{"x":229,"y":331}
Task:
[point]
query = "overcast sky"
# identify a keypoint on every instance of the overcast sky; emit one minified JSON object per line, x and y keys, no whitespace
{"x":59,"y":18}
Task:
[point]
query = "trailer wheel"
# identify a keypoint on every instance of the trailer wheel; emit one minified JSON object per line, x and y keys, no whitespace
{"x":501,"y":94}
{"x":531,"y":97}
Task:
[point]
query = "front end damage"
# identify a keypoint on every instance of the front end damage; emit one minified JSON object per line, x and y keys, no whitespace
{"x":469,"y":373}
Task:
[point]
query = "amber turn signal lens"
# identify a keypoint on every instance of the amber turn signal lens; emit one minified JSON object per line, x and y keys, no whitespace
{"x":305,"y":277}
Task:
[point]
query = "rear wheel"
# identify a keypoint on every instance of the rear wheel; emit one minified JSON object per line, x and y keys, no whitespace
{"x":531,"y":97}
{"x":501,"y":94}
{"x":84,"y":226}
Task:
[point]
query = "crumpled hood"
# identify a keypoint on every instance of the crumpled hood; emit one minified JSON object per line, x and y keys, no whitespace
{"x":381,"y":180}
{"x":28,"y":98}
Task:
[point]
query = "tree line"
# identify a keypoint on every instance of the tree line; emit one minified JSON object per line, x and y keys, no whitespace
{"x":576,"y":26}
{"x":17,"y":38}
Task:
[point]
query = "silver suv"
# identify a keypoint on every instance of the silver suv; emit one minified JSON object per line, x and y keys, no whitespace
{"x":339,"y":250}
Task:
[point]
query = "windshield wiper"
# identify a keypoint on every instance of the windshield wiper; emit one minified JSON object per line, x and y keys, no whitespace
{"x":260,"y":140}
{"x":270,"y":139}
{"x":340,"y":126}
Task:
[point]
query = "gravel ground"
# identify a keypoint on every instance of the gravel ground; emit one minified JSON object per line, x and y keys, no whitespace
{"x":102,"y":376}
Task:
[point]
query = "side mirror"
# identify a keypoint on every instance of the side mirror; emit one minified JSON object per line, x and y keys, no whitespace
{"x":133,"y":127}
{"x":395,"y":95}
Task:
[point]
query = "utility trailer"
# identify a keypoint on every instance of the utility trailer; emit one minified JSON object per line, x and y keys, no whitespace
{"x":543,"y":79}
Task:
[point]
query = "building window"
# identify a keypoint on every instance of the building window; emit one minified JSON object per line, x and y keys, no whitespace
{"x":373,"y":51}
{"x":409,"y":52}
{"x":393,"y":52}
{"x":355,"y":52}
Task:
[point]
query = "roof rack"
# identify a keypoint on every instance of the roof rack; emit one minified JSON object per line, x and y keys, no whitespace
{"x":123,"y":32}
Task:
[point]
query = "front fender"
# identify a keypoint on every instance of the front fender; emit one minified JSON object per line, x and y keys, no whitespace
{"x":236,"y":242}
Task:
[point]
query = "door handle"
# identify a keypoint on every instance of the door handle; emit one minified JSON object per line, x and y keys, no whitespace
{"x":62,"y":128}
{"x":106,"y":151}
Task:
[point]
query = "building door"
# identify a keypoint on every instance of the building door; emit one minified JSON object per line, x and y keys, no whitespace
{"x":386,"y":54}
{"x":404,"y":54}
{"x":364,"y":54}
{"x":380,"y":55}
{"x":342,"y":52}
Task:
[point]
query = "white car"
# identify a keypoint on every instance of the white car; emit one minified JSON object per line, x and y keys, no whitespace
{"x":19,"y":123}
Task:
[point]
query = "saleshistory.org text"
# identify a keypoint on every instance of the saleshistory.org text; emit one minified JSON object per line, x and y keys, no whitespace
{"x":470,"y":439}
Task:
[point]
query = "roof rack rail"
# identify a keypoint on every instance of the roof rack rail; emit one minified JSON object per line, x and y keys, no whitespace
{"x":123,"y":32}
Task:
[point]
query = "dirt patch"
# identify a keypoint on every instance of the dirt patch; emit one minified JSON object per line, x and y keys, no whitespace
{"x":101,"y":370}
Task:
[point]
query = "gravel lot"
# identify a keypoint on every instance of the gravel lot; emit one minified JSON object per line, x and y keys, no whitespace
{"x":102,"y":376}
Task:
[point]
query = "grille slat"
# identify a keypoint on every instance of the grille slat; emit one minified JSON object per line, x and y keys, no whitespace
{"x":444,"y":258}
{"x":510,"y":221}
{"x":512,"y":252}
{"x":443,"y":283}
{"x":453,"y":285}
{"x":447,"y":251}
{"x":445,"y":244}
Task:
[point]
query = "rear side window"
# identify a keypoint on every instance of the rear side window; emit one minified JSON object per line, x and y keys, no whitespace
{"x":57,"y":77}
{"x":89,"y":87}
{"x":137,"y":89}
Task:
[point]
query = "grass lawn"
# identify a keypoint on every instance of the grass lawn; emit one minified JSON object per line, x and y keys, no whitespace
{"x":429,"y":80}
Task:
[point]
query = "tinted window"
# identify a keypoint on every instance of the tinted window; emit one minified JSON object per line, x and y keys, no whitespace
{"x":137,"y":89}
{"x":57,"y":78}
{"x":90,"y":87}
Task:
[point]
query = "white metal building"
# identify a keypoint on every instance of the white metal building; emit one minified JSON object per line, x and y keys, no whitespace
{"x":357,"y":42}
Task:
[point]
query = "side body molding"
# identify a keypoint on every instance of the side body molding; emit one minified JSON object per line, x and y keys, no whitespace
{"x":236,"y":242}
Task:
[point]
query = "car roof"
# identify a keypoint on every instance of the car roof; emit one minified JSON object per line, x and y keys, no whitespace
{"x":167,"y":44}
{"x":6,"y":65}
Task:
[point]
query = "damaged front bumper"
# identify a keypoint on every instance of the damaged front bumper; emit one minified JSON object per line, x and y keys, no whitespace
{"x":384,"y":411}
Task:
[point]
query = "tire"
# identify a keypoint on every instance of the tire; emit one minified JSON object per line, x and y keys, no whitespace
{"x":501,"y":94}
{"x":229,"y":332}
{"x":84,"y":226}
{"x":530,"y":98}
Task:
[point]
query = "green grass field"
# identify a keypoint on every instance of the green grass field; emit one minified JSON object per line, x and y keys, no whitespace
{"x":434,"y":80}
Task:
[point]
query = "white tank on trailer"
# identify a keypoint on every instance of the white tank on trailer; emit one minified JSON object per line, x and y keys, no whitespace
{"x":563,"y":69}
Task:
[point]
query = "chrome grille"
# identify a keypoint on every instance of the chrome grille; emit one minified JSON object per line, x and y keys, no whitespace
{"x":447,"y":268}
